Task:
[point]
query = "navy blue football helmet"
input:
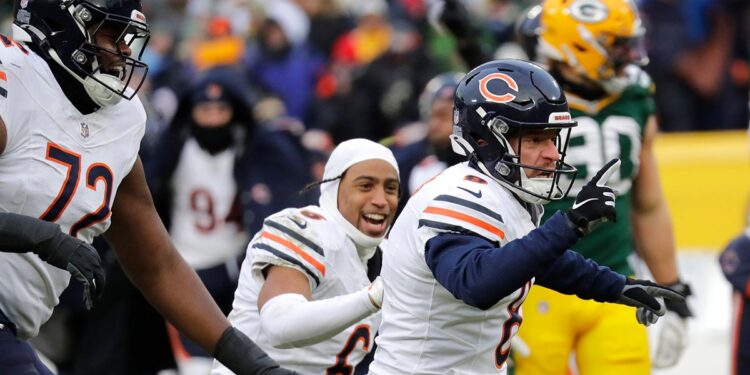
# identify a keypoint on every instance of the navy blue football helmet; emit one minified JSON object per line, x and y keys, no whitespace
{"x":65,"y":31}
{"x":503,"y":99}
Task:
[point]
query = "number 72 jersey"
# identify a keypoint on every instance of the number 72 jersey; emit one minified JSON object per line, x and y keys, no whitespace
{"x":58,"y":165}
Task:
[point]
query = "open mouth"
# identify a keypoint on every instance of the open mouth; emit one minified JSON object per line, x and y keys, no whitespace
{"x":116,"y":70}
{"x":373,"y":224}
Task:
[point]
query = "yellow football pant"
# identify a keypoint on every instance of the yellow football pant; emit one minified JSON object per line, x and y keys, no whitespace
{"x":606,"y":337}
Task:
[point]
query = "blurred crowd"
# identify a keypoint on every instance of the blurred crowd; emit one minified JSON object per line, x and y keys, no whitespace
{"x":355,"y":68}
{"x":300,"y":76}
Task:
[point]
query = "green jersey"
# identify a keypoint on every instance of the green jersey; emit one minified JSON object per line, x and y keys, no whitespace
{"x":608,"y":128}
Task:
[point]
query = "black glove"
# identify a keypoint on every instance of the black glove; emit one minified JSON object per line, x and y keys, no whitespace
{"x":241,"y":355}
{"x":80,"y":259}
{"x":643,"y":294}
{"x":20,"y":234}
{"x":595,"y":203}
{"x":680,"y":308}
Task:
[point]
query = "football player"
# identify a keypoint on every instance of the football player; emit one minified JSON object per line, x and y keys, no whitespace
{"x":70,"y":128}
{"x":593,"y":48}
{"x":468,"y":246}
{"x":304,"y":294}
{"x":735,"y":264}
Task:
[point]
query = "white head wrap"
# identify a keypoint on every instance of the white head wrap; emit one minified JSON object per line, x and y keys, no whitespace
{"x":291,"y":18}
{"x":344,"y":156}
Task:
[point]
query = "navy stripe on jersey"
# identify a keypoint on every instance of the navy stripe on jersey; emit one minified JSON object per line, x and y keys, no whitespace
{"x":3,"y":92}
{"x":295,"y":235}
{"x":470,"y":204}
{"x":452,"y":228}
{"x":287,"y":258}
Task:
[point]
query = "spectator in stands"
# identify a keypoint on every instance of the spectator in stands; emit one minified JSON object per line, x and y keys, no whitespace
{"x":422,"y":159}
{"x":282,"y":63}
{"x":699,"y":63}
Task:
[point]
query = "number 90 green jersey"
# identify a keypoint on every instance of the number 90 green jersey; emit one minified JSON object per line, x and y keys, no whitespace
{"x":608,"y":128}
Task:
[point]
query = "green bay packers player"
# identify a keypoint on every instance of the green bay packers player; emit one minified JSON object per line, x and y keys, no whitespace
{"x":593,"y":48}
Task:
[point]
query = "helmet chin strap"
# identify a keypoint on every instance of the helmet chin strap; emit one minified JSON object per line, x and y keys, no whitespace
{"x":97,"y":91}
{"x":532,"y":189}
{"x":539,"y":186}
{"x":100,"y":94}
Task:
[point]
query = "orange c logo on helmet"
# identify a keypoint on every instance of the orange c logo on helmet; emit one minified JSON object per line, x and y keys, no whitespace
{"x":491,"y":96}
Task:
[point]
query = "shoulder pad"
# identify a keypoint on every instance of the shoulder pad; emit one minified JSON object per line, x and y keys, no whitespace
{"x":295,"y":237}
{"x":11,"y":51}
{"x":463,"y":208}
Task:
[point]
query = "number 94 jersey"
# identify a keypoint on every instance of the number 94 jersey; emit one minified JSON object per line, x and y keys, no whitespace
{"x":58,"y":165}
{"x":425,"y":329}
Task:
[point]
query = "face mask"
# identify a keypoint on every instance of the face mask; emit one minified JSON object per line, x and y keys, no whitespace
{"x":213,"y":140}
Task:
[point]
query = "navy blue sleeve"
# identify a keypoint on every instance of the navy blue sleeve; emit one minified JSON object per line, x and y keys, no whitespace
{"x":735,"y":263}
{"x":477,"y":272}
{"x":572,"y":273}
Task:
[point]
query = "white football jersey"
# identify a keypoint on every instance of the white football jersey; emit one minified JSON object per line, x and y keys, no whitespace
{"x":304,"y":239}
{"x":60,"y":166}
{"x":203,"y":196}
{"x":425,"y":329}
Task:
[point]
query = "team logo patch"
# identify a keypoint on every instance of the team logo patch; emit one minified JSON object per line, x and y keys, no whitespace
{"x":498,"y":96}
{"x":24,"y":4}
{"x":476,"y":179}
{"x":312,"y":215}
{"x":477,"y":194}
{"x":138,"y":16}
{"x":730,"y":261}
{"x":559,"y":117}
{"x":302,"y":224}
{"x":213,"y":91}
{"x":589,"y":11}
{"x":84,"y":130}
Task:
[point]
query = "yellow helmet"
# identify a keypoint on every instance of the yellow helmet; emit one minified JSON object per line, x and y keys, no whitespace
{"x":595,"y":37}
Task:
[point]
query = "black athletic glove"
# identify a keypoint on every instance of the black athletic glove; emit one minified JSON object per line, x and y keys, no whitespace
{"x":20,"y":234}
{"x":680,"y":308}
{"x":241,"y":355}
{"x":595,"y":203}
{"x":643,"y":295}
